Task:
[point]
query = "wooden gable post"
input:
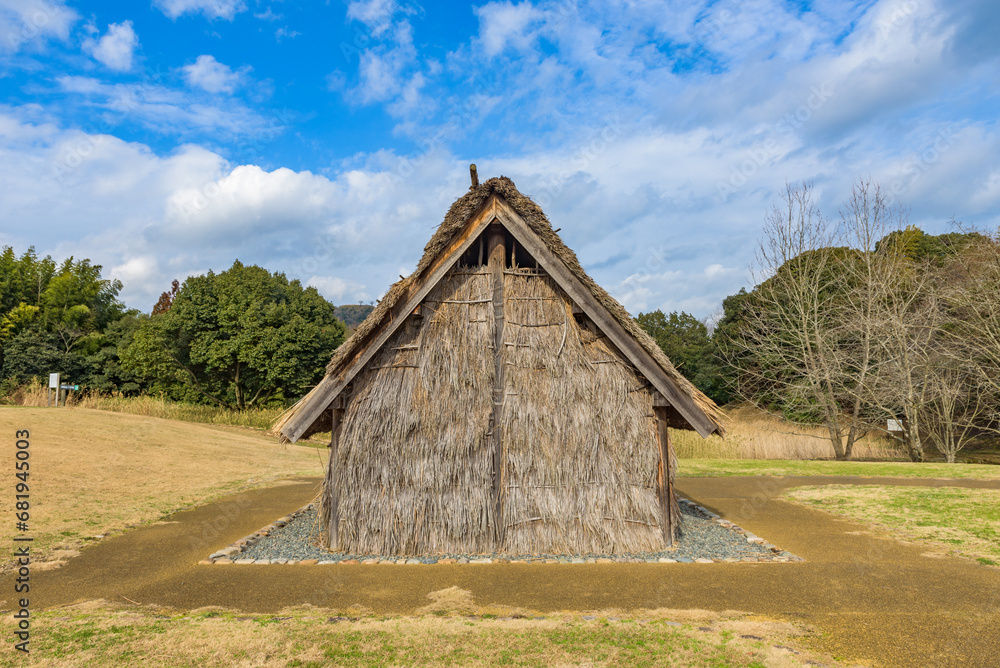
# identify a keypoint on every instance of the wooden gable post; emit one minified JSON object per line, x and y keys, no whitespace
{"x":666,"y":471}
{"x":332,"y":472}
{"x":497,"y":262}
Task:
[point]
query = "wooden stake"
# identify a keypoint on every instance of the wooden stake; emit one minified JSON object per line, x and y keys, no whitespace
{"x":669,"y":510}
{"x":332,"y":477}
{"x":497,"y":261}
{"x":474,"y":175}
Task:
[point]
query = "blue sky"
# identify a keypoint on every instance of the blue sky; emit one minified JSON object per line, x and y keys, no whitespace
{"x":327,"y":140}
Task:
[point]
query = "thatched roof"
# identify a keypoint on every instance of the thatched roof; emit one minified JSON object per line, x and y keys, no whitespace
{"x":454,"y":223}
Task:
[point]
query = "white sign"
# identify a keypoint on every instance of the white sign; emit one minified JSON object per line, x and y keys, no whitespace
{"x":894,"y":425}
{"x":54,"y":381}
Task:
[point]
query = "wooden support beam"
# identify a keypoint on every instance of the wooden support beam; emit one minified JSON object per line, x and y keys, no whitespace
{"x":666,"y":470}
{"x":581,"y":294}
{"x":497,"y":263}
{"x":496,"y":237}
{"x":332,"y":477}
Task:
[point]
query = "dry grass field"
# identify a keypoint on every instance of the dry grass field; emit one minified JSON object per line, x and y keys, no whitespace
{"x":453,"y":631}
{"x":95,"y":473}
{"x":755,"y":434}
{"x":714,"y":468}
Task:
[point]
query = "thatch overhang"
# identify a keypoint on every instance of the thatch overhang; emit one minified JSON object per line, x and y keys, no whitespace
{"x":498,"y":201}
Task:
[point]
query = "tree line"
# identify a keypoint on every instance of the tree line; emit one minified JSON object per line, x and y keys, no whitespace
{"x":861,"y":324}
{"x":241,"y":338}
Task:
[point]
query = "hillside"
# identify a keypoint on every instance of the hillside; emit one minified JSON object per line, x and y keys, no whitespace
{"x":353,"y":314}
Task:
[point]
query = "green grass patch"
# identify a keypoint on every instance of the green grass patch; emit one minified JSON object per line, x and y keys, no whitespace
{"x":100,"y":633}
{"x":964,"y":522}
{"x":713,"y":468}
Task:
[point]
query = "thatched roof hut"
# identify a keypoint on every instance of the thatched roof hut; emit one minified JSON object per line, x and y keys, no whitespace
{"x":497,"y":399}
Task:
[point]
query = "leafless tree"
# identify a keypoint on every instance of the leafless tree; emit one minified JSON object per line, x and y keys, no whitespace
{"x":869,"y":274}
{"x":971,"y":290}
{"x":956,"y":406}
{"x":907,"y":324}
{"x":788,"y":345}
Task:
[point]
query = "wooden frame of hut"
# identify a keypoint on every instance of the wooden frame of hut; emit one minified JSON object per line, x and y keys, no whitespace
{"x":498,"y":400}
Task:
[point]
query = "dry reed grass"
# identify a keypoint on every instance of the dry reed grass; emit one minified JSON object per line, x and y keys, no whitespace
{"x":756,"y":434}
{"x":415,"y":455}
{"x":35,"y":394}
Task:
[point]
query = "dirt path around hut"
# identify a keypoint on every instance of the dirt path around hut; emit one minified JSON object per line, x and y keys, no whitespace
{"x":872,"y":599}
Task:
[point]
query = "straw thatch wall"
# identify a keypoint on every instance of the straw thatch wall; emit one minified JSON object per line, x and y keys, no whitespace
{"x":579,"y":436}
{"x":414,"y":458}
{"x":414,"y":464}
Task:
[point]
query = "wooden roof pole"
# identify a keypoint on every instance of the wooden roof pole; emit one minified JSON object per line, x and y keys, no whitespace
{"x":497,"y":236}
{"x":665,"y":473}
{"x":332,"y":473}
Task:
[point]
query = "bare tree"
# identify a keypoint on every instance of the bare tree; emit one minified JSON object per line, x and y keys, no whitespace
{"x":788,"y":345}
{"x":956,"y":406}
{"x":869,"y":275}
{"x":907,"y":326}
{"x":971,"y":290}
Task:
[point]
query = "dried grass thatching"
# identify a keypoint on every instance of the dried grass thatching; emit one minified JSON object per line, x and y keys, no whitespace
{"x":414,"y":459}
{"x":559,"y":411}
{"x":579,"y":437}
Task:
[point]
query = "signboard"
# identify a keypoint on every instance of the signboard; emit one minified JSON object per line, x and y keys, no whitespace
{"x":53,"y":381}
{"x":894,"y":425}
{"x":75,"y":388}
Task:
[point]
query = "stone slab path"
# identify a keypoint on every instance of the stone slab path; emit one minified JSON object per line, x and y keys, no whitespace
{"x":873,"y":599}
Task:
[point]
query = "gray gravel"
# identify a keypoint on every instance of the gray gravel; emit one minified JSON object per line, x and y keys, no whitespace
{"x":700,"y":538}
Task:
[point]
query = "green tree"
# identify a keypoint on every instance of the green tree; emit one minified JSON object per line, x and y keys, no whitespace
{"x":34,"y":354}
{"x":685,"y":340}
{"x":241,"y":338}
{"x":103,"y":369}
{"x":78,"y":302}
{"x":43,"y":305}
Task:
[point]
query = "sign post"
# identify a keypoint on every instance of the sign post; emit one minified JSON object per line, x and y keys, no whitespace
{"x":53,"y":386}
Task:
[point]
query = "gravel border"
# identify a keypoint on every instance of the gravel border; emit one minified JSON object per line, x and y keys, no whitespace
{"x":705,"y":538}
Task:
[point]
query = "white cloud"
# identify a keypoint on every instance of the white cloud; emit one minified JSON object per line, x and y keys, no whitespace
{"x":115,"y":49}
{"x":375,"y":14}
{"x":285,"y":33}
{"x":384,"y":69}
{"x":209,"y":74}
{"x":503,"y":24}
{"x":339,"y":290}
{"x":212,"y":9}
{"x":167,"y":110}
{"x":25,"y":22}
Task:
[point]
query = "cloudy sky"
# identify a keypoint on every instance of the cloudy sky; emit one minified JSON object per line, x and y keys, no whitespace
{"x":165,"y":138}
